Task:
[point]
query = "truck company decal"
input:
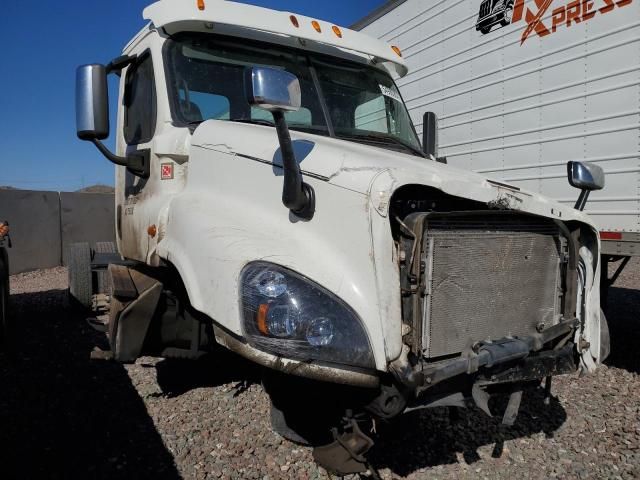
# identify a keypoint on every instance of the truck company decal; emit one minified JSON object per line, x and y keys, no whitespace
{"x":166,"y":171}
{"x":505,"y":12}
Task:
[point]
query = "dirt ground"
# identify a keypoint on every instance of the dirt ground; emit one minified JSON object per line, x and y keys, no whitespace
{"x":65,"y":416}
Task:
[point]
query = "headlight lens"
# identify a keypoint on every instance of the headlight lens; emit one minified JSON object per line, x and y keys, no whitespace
{"x":288,"y":315}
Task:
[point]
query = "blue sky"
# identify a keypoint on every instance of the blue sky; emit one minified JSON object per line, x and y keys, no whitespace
{"x":43,"y":42}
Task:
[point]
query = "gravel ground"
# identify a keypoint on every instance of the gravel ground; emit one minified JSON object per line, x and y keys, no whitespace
{"x":65,"y":416}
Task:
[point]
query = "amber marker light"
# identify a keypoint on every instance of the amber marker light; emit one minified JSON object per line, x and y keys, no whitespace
{"x":262,"y":318}
{"x":316,"y":26}
{"x":337,"y":31}
{"x":201,"y":5}
{"x":294,"y":21}
{"x":152,"y":231}
{"x":397,"y":50}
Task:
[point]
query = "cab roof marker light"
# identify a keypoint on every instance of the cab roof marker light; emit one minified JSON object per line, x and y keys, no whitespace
{"x":316,"y":25}
{"x":337,"y":31}
{"x":201,"y":5}
{"x":294,"y":21}
{"x":397,"y":50}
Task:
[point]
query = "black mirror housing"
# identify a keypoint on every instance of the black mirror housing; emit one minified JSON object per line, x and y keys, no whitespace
{"x":430,"y":135}
{"x":92,"y":102}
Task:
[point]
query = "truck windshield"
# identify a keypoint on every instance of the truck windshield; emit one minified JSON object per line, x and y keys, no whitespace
{"x":340,"y":99}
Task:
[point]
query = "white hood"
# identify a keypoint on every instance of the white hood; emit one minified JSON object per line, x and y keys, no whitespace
{"x":373,"y":171}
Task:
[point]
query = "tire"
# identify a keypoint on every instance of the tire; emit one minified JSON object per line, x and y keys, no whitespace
{"x":508,"y":15}
{"x":5,"y":327}
{"x":103,"y":285}
{"x":80,"y":278}
{"x":485,"y":30}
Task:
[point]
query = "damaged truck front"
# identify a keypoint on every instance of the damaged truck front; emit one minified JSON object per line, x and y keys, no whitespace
{"x":273,"y":199}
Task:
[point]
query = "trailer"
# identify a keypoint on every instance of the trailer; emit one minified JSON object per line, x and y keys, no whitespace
{"x":521,"y":86}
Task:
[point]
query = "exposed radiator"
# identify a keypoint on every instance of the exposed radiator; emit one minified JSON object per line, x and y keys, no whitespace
{"x":489,"y":277}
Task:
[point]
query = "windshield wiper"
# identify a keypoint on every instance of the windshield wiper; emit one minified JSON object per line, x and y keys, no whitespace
{"x":383,"y":139}
{"x":238,"y":120}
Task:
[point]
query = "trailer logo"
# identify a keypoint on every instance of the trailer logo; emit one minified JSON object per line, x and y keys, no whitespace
{"x":536,"y":14}
{"x":166,"y":171}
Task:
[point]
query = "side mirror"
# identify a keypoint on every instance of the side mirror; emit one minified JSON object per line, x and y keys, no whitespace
{"x":92,"y":113}
{"x":430,"y":135}
{"x":278,"y":92}
{"x":587,"y":177}
{"x":92,"y":102}
{"x":273,"y":90}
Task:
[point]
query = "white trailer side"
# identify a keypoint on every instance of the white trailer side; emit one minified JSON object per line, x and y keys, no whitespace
{"x":558,"y":81}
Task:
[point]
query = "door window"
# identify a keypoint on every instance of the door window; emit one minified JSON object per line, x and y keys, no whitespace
{"x":140,"y":102}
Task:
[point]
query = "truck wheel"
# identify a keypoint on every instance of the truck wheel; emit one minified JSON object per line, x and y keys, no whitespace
{"x":80,"y":278}
{"x":102,"y":276}
{"x":485,"y":30}
{"x":508,"y":14}
{"x":4,"y":298}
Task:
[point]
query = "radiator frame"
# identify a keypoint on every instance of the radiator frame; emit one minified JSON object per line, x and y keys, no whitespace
{"x":414,"y":281}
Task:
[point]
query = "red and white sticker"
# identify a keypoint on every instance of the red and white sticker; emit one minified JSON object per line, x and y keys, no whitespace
{"x":166,"y":171}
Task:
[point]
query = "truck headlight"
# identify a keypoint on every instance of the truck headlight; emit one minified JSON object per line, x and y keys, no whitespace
{"x":288,"y":315}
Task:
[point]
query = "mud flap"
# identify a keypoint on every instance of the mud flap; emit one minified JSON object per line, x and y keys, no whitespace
{"x":130,"y":318}
{"x":481,"y":398}
{"x":345,"y":455}
{"x":513,"y":407}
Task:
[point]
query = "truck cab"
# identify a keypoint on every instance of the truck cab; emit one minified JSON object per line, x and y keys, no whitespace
{"x":274,"y":199}
{"x":493,"y":12}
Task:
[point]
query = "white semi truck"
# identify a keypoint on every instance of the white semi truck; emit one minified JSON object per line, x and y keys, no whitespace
{"x":521,"y":86}
{"x":261,"y":210}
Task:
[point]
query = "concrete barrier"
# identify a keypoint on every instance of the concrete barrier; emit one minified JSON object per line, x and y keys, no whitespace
{"x":43,"y":224}
{"x":86,"y":217}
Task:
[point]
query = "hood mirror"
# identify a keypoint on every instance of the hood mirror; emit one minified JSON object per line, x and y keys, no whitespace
{"x":273,"y":90}
{"x":430,"y":137}
{"x":279,"y":92}
{"x":586,"y":177}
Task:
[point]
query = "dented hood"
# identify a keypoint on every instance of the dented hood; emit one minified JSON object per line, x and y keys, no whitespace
{"x":372,"y":171}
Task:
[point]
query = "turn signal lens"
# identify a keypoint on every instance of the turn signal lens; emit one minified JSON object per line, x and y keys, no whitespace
{"x":316,"y":26}
{"x":201,"y":5}
{"x":397,"y":50}
{"x":337,"y":31}
{"x":294,"y":21}
{"x":261,"y":320}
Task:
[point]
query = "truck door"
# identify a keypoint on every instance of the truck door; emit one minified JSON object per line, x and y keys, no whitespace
{"x":138,"y":120}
